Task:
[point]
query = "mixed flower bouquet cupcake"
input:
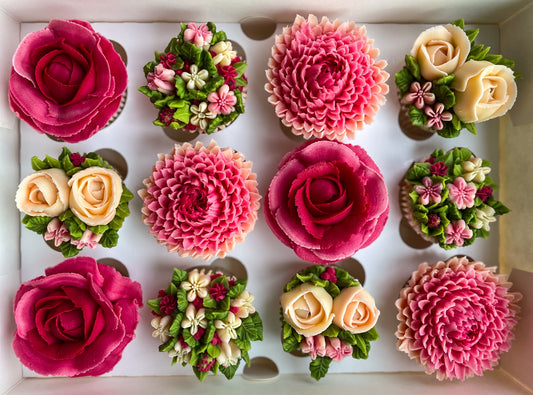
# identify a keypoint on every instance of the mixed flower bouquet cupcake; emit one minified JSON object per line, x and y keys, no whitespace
{"x":206,"y":320}
{"x":76,"y":201}
{"x":448,"y":198}
{"x":327,"y":314}
{"x":449,"y":83}
{"x":198,"y":82}
{"x":456,"y":318}
{"x":324,"y":78}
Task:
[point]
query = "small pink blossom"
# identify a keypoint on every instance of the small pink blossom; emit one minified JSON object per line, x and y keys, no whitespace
{"x":336,"y":349}
{"x":57,"y":231}
{"x":429,"y":192}
{"x":199,"y":35}
{"x":329,"y":275}
{"x":436,"y":115}
{"x":221,"y":101}
{"x":162,"y":80}
{"x":166,"y":116}
{"x":216,"y":340}
{"x":206,"y":363}
{"x":168,"y":304}
{"x":218,"y":292}
{"x":438,"y":169}
{"x":88,"y":239}
{"x":419,"y":95}
{"x":314,"y":346}
{"x":456,"y":232}
{"x":484,"y":193}
{"x":461,"y":193}
{"x":199,"y":333}
{"x":76,"y":159}
{"x":433,"y":220}
{"x":228,"y":72}
{"x":168,"y":60}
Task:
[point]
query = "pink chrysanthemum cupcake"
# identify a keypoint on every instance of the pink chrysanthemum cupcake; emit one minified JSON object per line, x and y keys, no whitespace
{"x":200,"y":200}
{"x":456,"y":317}
{"x":324,"y":79}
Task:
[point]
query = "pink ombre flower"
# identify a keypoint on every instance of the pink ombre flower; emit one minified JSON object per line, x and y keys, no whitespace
{"x":57,"y":231}
{"x":314,"y":346}
{"x":200,"y":200}
{"x":329,"y":275}
{"x":456,"y":318}
{"x":162,"y":80}
{"x":221,"y":101}
{"x":436,"y":115}
{"x":199,"y":35}
{"x":461,"y":193}
{"x":337,"y":350}
{"x":324,"y":79}
{"x":419,"y":95}
{"x":429,"y":192}
{"x":456,"y":232}
{"x":88,"y":239}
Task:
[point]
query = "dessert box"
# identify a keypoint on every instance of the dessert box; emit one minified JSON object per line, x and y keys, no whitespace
{"x":386,"y":264}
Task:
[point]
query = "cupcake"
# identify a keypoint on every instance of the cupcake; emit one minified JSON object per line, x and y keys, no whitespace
{"x":67,"y":80}
{"x":449,"y":83}
{"x":197,"y":83}
{"x":456,"y":318}
{"x":76,"y":319}
{"x":448,"y":198}
{"x":206,"y":320}
{"x":327,"y":201}
{"x":74,"y":201}
{"x":328,"y":315}
{"x":200,"y":200}
{"x":324,"y":79}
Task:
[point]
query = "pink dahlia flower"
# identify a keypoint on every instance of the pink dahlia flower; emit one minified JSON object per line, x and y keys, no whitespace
{"x":456,"y":318}
{"x":324,"y":79}
{"x":327,"y":201}
{"x":67,"y":80}
{"x":76,"y":320}
{"x":200,"y":200}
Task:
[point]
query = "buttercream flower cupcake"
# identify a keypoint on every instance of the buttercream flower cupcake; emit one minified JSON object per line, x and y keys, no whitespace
{"x":67,"y":80}
{"x":456,"y":318}
{"x":206,"y":319}
{"x":200,"y":200}
{"x":449,"y":83}
{"x":74,"y":201}
{"x":327,"y":201}
{"x":197,"y":83}
{"x":324,"y":78}
{"x":328,"y":315}
{"x":448,"y":198}
{"x":75,"y":320}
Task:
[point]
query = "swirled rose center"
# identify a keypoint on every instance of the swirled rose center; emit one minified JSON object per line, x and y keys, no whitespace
{"x":192,"y":201}
{"x":327,"y":76}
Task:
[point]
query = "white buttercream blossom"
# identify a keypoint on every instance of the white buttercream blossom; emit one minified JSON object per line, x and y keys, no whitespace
{"x":161,"y":326}
{"x":224,"y":53}
{"x":195,"y":78}
{"x":484,"y":217}
{"x":201,"y":115}
{"x":182,"y":354}
{"x":229,"y":354}
{"x":244,"y":303}
{"x":196,"y":284}
{"x":473,"y":171}
{"x":226,"y":329}
{"x":194,"y":319}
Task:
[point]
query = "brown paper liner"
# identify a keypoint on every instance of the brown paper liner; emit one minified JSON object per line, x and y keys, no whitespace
{"x":410,"y":130}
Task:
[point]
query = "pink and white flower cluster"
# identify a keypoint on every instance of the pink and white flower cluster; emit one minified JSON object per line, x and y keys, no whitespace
{"x":331,"y":347}
{"x":423,"y":99}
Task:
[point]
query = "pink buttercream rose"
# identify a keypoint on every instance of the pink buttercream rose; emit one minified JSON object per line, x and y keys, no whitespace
{"x":76,"y":320}
{"x":162,"y":80}
{"x":327,"y":201}
{"x":67,"y":80}
{"x":336,"y":349}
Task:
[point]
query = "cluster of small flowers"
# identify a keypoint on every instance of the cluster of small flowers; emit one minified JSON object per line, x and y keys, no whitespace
{"x":423,"y":99}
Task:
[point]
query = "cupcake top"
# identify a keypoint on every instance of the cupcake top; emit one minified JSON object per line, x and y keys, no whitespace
{"x":449,"y":83}
{"x":456,"y":318}
{"x":200,"y":200}
{"x":76,"y":319}
{"x":206,"y":320}
{"x":76,"y":201}
{"x":327,"y":201}
{"x":328,"y":315}
{"x":67,"y":80}
{"x":450,"y":197}
{"x":324,"y":79}
{"x":198,"y":82}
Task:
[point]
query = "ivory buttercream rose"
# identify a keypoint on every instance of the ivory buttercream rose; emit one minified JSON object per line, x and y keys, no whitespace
{"x":43,"y":193}
{"x":483,"y":91}
{"x":440,"y":50}
{"x":95,"y":194}
{"x":308,"y":309}
{"x":355,"y":310}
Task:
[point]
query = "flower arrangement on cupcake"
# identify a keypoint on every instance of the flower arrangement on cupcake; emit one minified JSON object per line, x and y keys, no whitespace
{"x":76,"y":201}
{"x":449,"y":199}
{"x":327,"y":314}
{"x":456,"y":318}
{"x":200,"y":200}
{"x":206,"y":320}
{"x":198,"y":82}
{"x":449,"y":83}
{"x":324,"y":79}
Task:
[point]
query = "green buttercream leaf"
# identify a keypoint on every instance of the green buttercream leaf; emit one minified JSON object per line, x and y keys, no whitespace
{"x":37,"y":164}
{"x":293,"y":283}
{"x":240,"y":67}
{"x":238,"y":287}
{"x":215,"y":123}
{"x":126,"y":196}
{"x":168,"y":345}
{"x":175,"y":328}
{"x":109,"y":238}
{"x":195,"y":94}
{"x":332,"y":289}
{"x":403,"y":79}
{"x":417,"y":117}
{"x":209,"y":303}
{"x":190,"y":52}
{"x":213,"y":350}
{"x":319,"y":367}
{"x":448,"y":130}
{"x":459,"y":23}
{"x":216,"y":315}
{"x":213,"y":84}
{"x":154,"y":305}
{"x":287,"y":330}
{"x":371,"y":334}
{"x":244,"y":345}
{"x":123,"y":210}
{"x":446,"y":80}
{"x":332,"y":331}
{"x":240,"y":81}
{"x":36,"y":224}
{"x":52,"y":162}
{"x":172,"y":289}
{"x":99,"y":229}
{"x":183,"y":303}
{"x":471,"y":127}
{"x":207,"y":63}
{"x":413,"y":67}
{"x":498,"y":207}
{"x":472,"y":34}
{"x":444,"y":95}
{"x":178,"y":276}
{"x":418,"y":171}
{"x":189,"y":339}
{"x":181,"y":87}
{"x":69,"y":250}
{"x":239,"y":106}
{"x":290,"y":344}
{"x":164,"y":102}
{"x":218,"y":36}
{"x":230,"y":371}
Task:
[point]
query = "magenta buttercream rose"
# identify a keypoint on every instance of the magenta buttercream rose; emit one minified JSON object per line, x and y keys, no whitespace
{"x":327,"y":201}
{"x":76,"y":320}
{"x":67,"y":80}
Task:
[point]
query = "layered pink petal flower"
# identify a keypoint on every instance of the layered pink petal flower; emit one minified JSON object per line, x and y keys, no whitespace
{"x":337,"y":349}
{"x":327,"y":201}
{"x":88,"y":239}
{"x":199,"y":35}
{"x":57,"y":231}
{"x":462,"y":193}
{"x":76,"y":320}
{"x":314,"y":346}
{"x":456,"y":318}
{"x":221,"y":101}
{"x":324,"y":79}
{"x":67,"y":80}
{"x":162,"y":80}
{"x":200,"y":200}
{"x":428,"y":192}
{"x":457,"y":232}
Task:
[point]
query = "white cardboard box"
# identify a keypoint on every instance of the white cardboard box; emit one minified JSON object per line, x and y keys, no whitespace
{"x":506,"y":25}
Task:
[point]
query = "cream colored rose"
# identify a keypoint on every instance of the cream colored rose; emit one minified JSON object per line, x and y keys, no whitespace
{"x":355,"y":310}
{"x":483,"y":91}
{"x":43,"y":193}
{"x":440,"y":50}
{"x":308,"y":309}
{"x":95,"y":194}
